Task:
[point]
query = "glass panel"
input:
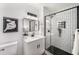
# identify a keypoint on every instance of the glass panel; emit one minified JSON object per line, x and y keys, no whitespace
{"x":32,"y":27}
{"x":48,"y":32}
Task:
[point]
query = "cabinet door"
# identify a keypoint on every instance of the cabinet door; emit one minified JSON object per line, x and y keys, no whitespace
{"x":34,"y":48}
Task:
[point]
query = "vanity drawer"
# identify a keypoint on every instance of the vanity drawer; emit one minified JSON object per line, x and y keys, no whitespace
{"x":34,"y":48}
{"x":10,"y":50}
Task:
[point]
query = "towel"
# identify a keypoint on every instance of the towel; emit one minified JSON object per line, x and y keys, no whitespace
{"x":75,"y":50}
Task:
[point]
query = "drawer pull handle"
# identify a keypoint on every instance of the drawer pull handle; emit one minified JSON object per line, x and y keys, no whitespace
{"x":38,"y":46}
{"x":2,"y":49}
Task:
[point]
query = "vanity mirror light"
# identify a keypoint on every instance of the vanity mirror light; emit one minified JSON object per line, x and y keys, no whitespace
{"x":30,"y":25}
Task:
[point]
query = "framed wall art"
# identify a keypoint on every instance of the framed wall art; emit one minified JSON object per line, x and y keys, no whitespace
{"x":10,"y":24}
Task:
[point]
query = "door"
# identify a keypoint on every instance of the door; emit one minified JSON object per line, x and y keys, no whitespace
{"x":48,"y":32}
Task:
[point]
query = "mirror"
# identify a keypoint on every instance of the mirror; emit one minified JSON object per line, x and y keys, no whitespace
{"x":30,"y":25}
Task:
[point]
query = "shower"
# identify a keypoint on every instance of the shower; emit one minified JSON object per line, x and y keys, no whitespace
{"x":59,"y":29}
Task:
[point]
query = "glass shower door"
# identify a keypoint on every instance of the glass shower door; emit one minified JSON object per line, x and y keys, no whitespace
{"x":48,"y":32}
{"x":60,"y":31}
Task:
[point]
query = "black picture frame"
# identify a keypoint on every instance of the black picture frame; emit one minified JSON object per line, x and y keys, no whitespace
{"x":13,"y":24}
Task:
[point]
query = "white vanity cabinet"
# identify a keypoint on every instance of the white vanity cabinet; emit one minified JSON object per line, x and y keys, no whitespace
{"x":34,"y":47}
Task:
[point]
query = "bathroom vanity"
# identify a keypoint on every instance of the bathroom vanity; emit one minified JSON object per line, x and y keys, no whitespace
{"x":34,"y":45}
{"x":33,"y":42}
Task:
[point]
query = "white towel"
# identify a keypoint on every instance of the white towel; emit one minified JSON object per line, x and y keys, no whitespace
{"x":75,"y":50}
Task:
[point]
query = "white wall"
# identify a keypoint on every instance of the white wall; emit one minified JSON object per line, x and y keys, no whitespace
{"x":41,"y":19}
{"x":46,"y":11}
{"x":65,"y":42}
{"x":18,"y":11}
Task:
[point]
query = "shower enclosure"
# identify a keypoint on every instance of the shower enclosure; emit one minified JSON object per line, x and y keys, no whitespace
{"x":59,"y":29}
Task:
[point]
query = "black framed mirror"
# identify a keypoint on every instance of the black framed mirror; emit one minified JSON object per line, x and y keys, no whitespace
{"x":30,"y":25}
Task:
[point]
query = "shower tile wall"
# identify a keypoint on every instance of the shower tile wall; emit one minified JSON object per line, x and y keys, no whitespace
{"x":65,"y":42}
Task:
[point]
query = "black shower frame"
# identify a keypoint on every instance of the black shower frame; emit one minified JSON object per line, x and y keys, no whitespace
{"x":52,"y":16}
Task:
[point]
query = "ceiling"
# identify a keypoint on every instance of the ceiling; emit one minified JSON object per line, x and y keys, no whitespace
{"x":53,"y":7}
{"x":50,"y":6}
{"x":58,"y":6}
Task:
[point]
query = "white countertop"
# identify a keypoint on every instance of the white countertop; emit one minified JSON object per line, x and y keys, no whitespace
{"x":8,"y":44}
{"x":31,"y":39}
